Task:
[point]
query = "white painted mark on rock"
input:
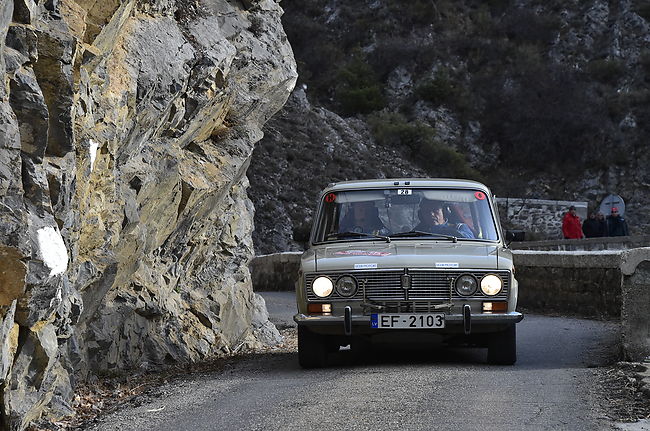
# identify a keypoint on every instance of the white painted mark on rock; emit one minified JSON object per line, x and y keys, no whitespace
{"x":52,"y":250}
{"x":92,"y":149}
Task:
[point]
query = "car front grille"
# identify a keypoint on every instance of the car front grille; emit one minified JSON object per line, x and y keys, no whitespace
{"x":383,"y":285}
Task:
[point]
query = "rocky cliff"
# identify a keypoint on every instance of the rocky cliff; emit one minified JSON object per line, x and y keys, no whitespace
{"x":126,"y":128}
{"x":540,"y":99}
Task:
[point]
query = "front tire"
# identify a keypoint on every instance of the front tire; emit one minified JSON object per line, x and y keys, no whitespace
{"x":312,"y":349}
{"x":502,"y":347}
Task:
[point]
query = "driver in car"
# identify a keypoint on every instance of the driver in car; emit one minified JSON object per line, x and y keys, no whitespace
{"x":363,"y":217}
{"x":432,"y":219}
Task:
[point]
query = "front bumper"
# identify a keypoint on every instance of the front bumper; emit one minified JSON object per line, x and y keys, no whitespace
{"x":454,"y":323}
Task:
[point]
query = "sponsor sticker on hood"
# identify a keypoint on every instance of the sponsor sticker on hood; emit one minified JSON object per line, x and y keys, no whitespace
{"x":362,"y":253}
{"x":365,"y":266}
{"x":446,"y":264}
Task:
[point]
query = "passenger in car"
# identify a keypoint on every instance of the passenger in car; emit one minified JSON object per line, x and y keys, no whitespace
{"x":363,"y":217}
{"x":432,"y":219}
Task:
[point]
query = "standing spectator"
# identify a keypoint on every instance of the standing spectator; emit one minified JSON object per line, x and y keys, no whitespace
{"x":571,"y":226}
{"x":602,"y":223}
{"x":616,"y":225}
{"x":594,"y":226}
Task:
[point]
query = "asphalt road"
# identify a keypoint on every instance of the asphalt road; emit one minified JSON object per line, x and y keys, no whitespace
{"x":551,"y":387}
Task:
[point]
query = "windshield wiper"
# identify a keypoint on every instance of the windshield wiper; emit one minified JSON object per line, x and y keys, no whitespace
{"x":420,"y":233}
{"x":369,"y":235}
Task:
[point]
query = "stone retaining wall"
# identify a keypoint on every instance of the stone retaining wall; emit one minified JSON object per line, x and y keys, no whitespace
{"x":588,"y":244}
{"x":590,"y":284}
{"x":275,"y":272}
{"x":609,"y":284}
{"x":587,"y":285}
{"x":541,"y":219}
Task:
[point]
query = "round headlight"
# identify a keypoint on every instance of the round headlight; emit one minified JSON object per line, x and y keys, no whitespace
{"x":322,"y":287}
{"x":491,"y":284}
{"x":466,"y":285}
{"x":346,"y":286}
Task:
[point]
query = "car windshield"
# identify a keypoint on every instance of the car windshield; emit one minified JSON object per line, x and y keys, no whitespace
{"x":417,"y":213}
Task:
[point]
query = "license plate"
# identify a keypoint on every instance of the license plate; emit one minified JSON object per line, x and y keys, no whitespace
{"x":407,"y":321}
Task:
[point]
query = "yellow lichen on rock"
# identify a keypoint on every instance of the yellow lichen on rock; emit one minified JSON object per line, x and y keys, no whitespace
{"x":12,"y":275}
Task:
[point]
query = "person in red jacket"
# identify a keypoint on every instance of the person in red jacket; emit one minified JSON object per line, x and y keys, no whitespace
{"x":571,"y":227}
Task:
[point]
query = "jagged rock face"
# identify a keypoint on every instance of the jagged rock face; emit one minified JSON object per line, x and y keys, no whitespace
{"x":126,"y":128}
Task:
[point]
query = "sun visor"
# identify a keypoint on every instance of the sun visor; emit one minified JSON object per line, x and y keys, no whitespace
{"x":417,"y":194}
{"x":359,"y":196}
{"x":450,"y":195}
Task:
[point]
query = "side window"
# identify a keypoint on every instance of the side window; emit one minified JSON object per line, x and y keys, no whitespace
{"x":328,"y":221}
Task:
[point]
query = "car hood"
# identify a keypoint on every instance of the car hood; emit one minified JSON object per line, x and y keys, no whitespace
{"x":432,"y":255}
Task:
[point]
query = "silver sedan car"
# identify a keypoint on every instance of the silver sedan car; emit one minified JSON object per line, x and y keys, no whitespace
{"x":406,"y":259}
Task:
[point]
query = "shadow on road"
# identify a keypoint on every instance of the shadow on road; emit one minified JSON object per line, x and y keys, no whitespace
{"x":563,"y":353}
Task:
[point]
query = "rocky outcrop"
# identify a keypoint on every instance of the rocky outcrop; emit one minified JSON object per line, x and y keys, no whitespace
{"x":126,"y":128}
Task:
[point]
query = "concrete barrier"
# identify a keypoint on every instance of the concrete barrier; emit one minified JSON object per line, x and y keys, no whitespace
{"x":611,"y":284}
{"x":592,"y":284}
{"x":275,"y":272}
{"x":587,"y":285}
{"x":588,"y":244}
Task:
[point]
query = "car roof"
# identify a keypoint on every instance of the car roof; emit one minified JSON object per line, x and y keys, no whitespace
{"x":406,"y":182}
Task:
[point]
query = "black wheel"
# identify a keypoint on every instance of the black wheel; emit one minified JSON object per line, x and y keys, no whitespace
{"x":502,"y":347}
{"x":312,"y":349}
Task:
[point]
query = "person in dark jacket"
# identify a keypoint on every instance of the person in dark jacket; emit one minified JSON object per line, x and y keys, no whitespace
{"x":432,"y":219}
{"x":571,"y":226}
{"x":363,"y":217}
{"x":616,"y":225}
{"x":595,"y":226}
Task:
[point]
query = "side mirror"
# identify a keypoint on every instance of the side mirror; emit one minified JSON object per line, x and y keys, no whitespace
{"x":515,"y":235}
{"x":302,"y":233}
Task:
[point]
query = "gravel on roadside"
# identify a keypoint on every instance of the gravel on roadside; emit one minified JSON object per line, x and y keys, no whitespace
{"x":624,"y":391}
{"x":103,"y":395}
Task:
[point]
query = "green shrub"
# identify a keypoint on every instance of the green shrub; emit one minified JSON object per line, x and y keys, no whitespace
{"x":525,"y":26}
{"x":638,"y":98}
{"x":540,"y":116}
{"x":644,"y":60}
{"x":617,"y":105}
{"x":607,"y":71}
{"x":439,"y":90}
{"x":482,"y":21}
{"x":526,"y":57}
{"x":499,"y":6}
{"x":394,"y":52}
{"x":413,"y":12}
{"x":317,"y":55}
{"x":393,"y":130}
{"x":443,"y":90}
{"x":642,"y":7}
{"x":358,"y":91}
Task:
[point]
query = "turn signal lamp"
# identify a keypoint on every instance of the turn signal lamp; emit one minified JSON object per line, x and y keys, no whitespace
{"x":495,"y":307}
{"x":319,"y":308}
